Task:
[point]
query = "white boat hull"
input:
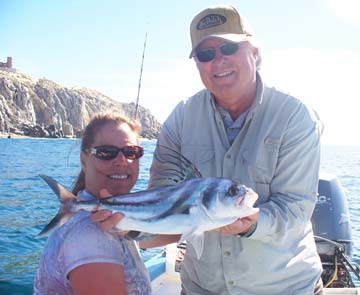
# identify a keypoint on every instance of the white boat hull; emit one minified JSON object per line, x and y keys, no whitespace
{"x":165,"y":281}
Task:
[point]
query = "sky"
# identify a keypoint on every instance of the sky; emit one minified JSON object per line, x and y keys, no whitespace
{"x":310,"y":49}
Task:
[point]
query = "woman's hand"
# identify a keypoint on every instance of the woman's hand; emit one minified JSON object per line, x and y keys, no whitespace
{"x":106,"y":219}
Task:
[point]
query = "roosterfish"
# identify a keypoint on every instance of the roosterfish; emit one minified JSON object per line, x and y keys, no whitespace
{"x":190,"y":207}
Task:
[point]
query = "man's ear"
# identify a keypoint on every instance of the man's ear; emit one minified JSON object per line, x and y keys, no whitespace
{"x":256,"y":52}
{"x":257,"y":56}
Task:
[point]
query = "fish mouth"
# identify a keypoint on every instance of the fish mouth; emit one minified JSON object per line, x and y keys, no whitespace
{"x":239,"y":201}
{"x":119,"y":176}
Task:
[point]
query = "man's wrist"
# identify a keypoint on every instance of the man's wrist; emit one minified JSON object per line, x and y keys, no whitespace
{"x":250,"y":231}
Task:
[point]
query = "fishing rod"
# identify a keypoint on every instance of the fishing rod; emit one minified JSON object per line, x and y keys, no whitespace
{"x":138,"y":93}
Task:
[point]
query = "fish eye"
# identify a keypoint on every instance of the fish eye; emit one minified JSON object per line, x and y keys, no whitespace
{"x":233,"y":190}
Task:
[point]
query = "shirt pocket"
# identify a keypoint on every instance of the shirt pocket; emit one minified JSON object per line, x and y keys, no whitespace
{"x":260,"y":163}
{"x":202,"y":157}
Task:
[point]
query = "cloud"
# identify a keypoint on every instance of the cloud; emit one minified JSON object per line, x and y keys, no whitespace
{"x":327,"y":80}
{"x":347,"y":11}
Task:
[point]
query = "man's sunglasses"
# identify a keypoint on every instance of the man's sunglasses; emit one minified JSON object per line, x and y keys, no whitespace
{"x":209,"y":54}
{"x":109,"y":152}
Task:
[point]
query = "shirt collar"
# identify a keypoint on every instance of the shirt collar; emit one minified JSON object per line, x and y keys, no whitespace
{"x":85,"y":196}
{"x":259,"y":95}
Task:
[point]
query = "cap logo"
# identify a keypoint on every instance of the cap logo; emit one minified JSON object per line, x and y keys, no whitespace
{"x":211,"y":20}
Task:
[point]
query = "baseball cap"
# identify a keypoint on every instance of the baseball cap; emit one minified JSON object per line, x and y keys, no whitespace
{"x":218,"y":21}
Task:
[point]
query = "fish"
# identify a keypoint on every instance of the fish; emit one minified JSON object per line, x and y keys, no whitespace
{"x":190,"y":207}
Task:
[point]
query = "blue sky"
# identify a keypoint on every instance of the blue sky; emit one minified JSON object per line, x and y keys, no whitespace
{"x":310,"y":48}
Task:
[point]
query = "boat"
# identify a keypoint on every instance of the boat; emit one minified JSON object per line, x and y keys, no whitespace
{"x":332,"y":231}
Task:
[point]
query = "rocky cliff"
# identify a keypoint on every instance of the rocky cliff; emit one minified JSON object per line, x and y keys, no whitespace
{"x":43,"y":108}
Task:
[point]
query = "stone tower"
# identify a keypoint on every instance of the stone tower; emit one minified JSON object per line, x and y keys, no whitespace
{"x":9,"y":62}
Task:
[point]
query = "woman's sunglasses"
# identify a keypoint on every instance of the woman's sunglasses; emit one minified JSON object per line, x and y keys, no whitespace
{"x":209,"y":54}
{"x":109,"y":152}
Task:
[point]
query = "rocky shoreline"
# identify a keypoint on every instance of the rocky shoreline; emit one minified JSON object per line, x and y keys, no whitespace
{"x":12,"y":135}
{"x":41,"y":131}
{"x":44,"y":109}
{"x":20,"y":136}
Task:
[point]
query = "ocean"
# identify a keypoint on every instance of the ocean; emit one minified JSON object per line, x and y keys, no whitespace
{"x":27,"y":203}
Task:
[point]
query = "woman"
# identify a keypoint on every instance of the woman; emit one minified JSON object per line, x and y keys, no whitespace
{"x":80,"y":258}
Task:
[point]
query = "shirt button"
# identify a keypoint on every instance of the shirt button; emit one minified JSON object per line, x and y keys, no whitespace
{"x":228,"y":156}
{"x":231,"y":282}
{"x":227,"y":253}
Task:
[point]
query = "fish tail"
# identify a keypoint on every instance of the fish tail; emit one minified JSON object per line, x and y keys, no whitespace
{"x":66,"y":199}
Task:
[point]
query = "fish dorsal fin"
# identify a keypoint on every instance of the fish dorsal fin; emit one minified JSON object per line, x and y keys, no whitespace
{"x":182,"y":168}
{"x":61,"y":192}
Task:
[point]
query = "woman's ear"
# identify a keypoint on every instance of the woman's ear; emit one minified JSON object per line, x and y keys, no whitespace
{"x":83,"y":156}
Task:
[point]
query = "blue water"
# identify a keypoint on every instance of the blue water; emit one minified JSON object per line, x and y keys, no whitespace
{"x":27,"y":203}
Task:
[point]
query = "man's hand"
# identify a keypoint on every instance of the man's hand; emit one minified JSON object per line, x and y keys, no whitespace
{"x":240,"y":226}
{"x":105,"y":218}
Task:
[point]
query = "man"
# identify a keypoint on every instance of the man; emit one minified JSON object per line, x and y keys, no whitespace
{"x":239,"y":128}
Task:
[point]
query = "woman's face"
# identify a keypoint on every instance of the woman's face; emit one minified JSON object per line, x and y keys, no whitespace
{"x":118,"y":175}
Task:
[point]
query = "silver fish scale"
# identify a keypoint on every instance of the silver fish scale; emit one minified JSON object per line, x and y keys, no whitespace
{"x":160,"y":202}
{"x":169,"y":200}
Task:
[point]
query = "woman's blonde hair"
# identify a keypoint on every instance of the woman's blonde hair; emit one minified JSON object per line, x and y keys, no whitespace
{"x":98,"y":121}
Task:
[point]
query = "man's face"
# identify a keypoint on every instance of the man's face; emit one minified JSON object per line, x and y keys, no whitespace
{"x":228,"y":76}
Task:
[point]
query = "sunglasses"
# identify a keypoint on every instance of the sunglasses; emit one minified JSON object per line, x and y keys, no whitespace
{"x":109,"y":152}
{"x":209,"y":54}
